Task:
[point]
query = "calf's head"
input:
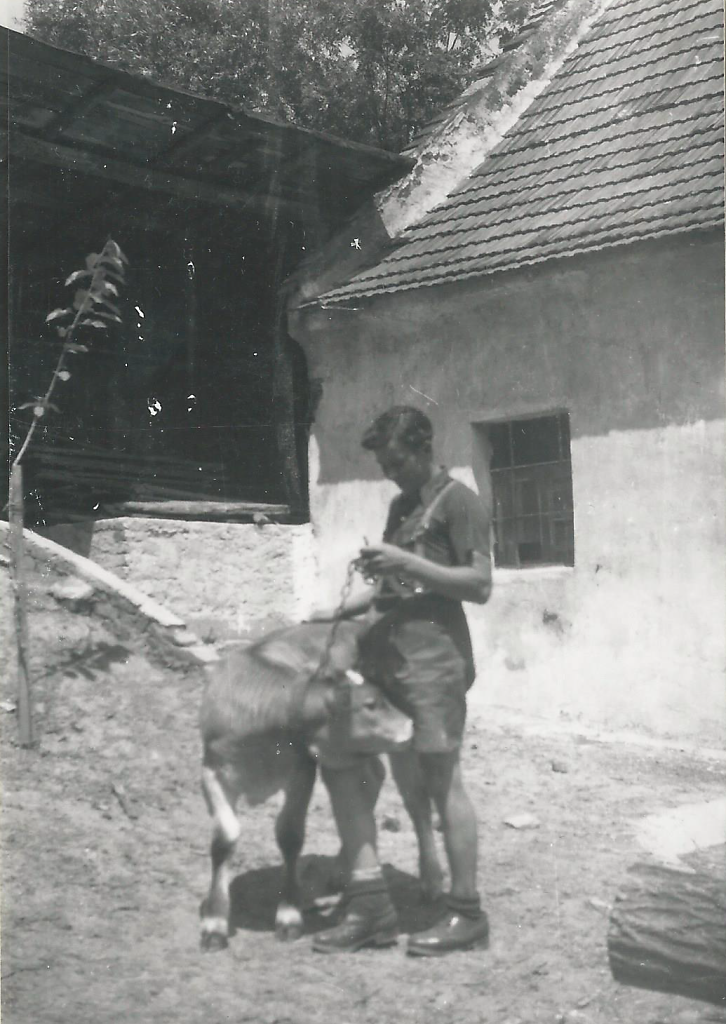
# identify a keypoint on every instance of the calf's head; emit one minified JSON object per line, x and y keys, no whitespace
{"x":360,"y":718}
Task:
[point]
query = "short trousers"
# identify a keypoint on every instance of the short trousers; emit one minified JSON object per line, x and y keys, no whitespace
{"x":421,"y":669}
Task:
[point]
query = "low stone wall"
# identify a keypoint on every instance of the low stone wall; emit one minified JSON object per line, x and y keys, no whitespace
{"x":80,"y":614}
{"x":224,"y":579}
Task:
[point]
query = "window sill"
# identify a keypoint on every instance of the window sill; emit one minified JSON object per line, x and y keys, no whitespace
{"x":532,"y":572}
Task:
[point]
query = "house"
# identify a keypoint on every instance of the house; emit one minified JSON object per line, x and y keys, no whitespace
{"x":188,"y":422}
{"x":559,"y":313}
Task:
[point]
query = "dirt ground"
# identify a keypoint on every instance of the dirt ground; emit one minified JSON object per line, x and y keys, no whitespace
{"x":101,"y":886}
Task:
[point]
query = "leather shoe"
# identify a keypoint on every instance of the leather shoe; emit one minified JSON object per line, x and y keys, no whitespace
{"x":453,"y":932}
{"x":357,"y":930}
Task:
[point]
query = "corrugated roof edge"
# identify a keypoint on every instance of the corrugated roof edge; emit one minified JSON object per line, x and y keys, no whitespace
{"x":132,"y":82}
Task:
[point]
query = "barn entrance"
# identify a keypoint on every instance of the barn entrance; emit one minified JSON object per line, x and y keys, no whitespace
{"x":197,"y":405}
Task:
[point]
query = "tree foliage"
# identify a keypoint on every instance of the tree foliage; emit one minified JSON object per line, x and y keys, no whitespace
{"x":370,"y":70}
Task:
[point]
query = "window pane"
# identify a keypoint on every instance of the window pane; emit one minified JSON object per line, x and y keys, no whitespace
{"x":503,"y":494}
{"x":526,"y":495}
{"x":536,"y":441}
{"x":532,"y":490}
{"x":499,"y":441}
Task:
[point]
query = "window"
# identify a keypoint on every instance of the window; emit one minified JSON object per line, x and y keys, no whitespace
{"x":531,"y":477}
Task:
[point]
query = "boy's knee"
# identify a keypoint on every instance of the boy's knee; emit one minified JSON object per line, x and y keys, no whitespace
{"x":439,"y":771}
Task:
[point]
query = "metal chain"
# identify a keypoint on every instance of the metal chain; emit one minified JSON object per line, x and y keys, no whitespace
{"x":324,"y":662}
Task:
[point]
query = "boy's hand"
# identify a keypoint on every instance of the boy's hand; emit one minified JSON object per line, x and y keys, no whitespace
{"x":379,"y":559}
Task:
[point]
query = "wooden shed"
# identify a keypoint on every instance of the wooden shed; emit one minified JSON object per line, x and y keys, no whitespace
{"x":198,"y":405}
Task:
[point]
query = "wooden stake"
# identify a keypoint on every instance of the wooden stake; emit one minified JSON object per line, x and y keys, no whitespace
{"x":25,"y":707}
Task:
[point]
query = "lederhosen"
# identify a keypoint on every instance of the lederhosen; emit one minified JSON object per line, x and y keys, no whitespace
{"x":419,"y":650}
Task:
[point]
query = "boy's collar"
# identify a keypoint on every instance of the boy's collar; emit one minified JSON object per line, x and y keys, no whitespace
{"x":438,"y":479}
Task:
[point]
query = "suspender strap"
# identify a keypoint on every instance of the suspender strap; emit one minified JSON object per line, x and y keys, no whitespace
{"x":419,"y":547}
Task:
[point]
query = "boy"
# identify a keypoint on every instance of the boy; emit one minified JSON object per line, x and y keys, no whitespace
{"x":434,"y":555}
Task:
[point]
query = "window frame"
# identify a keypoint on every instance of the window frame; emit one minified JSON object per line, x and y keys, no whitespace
{"x":506,"y":552}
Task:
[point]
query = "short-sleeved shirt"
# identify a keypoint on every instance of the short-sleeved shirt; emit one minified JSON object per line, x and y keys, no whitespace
{"x":458,"y":526}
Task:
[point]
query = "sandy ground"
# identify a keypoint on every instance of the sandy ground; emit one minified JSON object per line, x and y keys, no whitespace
{"x":100,"y":900}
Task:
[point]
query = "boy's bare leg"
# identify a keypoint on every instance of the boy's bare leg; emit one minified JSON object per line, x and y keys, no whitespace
{"x":444,"y":782}
{"x":465,"y":925}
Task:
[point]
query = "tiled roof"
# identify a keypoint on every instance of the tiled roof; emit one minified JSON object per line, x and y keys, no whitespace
{"x":625,"y":143}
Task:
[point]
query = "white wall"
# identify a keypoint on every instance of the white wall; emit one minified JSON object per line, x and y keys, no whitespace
{"x":631,"y":344}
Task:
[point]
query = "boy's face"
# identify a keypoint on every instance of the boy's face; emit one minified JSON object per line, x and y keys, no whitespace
{"x":408,"y":469}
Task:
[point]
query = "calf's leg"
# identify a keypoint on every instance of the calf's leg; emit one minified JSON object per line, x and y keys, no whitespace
{"x":409,"y":778}
{"x":290,"y":835}
{"x":221,"y":791}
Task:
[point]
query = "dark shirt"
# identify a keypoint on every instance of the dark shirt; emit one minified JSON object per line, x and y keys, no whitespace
{"x":459,"y":526}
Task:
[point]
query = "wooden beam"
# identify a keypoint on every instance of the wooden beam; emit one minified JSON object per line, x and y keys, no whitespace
{"x":111,"y":169}
{"x":18,"y":194}
{"x":199,"y":509}
{"x":75,"y":110}
{"x":668,"y":932}
{"x":190,"y":140}
{"x":283,"y":381}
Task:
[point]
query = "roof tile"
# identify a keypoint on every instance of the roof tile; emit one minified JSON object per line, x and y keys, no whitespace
{"x":626,"y":143}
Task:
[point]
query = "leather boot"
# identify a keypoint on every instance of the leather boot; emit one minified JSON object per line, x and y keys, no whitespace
{"x":369,"y":919}
{"x":464,"y":926}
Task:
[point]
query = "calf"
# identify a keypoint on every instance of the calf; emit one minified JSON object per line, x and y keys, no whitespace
{"x":264,"y":707}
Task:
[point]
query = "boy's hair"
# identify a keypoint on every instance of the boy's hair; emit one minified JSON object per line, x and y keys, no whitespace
{"x":404,"y":424}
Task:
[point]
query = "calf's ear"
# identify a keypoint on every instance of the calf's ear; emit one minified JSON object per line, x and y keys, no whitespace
{"x":284,"y":653}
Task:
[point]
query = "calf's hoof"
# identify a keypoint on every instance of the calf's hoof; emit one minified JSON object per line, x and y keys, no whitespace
{"x":288,"y":924}
{"x":213,"y":942}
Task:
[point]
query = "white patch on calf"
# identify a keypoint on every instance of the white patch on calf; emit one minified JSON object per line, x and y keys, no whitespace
{"x":214,"y":925}
{"x":224,"y":816}
{"x":288,"y":916}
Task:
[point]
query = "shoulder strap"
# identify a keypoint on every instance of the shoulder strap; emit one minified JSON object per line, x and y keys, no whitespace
{"x":428,"y":516}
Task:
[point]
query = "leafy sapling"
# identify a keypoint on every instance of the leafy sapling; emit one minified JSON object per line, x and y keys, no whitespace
{"x":93,"y":307}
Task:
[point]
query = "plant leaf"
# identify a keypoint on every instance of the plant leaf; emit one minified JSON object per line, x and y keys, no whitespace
{"x":77,"y":275}
{"x":101,"y":311}
{"x":111,"y":264}
{"x":112,"y":248}
{"x":79,"y":298}
{"x":95,"y":323}
{"x":109,"y":288}
{"x":91,"y":260}
{"x":57,"y":314}
{"x":106,"y":304}
{"x":74,"y":346}
{"x":63,"y":375}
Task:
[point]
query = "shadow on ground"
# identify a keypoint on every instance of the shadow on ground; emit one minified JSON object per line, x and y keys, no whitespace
{"x":254,"y":896}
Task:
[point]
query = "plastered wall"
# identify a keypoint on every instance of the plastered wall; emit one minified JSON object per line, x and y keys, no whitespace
{"x":630,"y":343}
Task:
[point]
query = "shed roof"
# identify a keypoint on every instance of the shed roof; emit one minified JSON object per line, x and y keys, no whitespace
{"x":70,"y":112}
{"x":626,"y":143}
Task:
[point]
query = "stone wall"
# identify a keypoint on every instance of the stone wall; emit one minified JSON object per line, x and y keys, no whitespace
{"x":223,"y":578}
{"x":80,"y":614}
